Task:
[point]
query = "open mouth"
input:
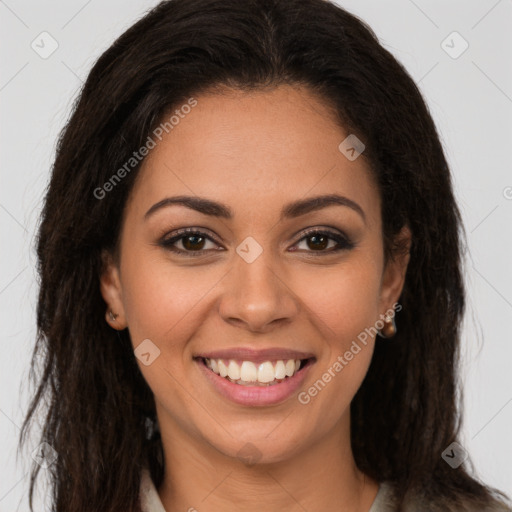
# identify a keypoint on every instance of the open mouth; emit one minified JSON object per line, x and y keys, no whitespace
{"x":247,"y":373}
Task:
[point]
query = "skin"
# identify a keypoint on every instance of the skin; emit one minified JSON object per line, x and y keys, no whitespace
{"x":255,"y":152}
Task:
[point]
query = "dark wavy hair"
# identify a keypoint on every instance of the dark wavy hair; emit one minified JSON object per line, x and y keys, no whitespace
{"x":99,"y":407}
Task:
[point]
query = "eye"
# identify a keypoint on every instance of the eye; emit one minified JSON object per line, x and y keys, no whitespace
{"x":319,"y":240}
{"x":192,"y":242}
{"x":195,"y":243}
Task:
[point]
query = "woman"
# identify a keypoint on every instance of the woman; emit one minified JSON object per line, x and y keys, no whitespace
{"x":250,"y":261}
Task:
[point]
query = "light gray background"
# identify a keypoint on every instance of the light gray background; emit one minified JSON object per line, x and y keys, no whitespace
{"x":470,"y":98}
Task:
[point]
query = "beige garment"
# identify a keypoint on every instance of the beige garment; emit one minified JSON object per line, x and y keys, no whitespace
{"x":150,"y":499}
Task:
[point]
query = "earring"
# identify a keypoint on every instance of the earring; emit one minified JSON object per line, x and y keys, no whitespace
{"x":112,"y":315}
{"x":389,"y":329}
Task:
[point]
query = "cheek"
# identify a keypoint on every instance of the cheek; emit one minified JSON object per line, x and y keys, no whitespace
{"x":166,"y":304}
{"x":162,"y":300}
{"x":344,"y":306}
{"x":163,"y":303}
{"x":344,"y":300}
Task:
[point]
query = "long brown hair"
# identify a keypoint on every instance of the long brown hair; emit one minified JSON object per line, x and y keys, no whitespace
{"x":100,"y":411}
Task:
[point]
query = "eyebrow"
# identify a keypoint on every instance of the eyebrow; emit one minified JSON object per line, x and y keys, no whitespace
{"x":289,"y":211}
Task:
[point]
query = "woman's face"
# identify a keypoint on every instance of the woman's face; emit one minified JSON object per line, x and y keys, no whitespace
{"x":253,"y":279}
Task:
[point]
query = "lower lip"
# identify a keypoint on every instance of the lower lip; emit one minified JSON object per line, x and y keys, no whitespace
{"x":256,"y":395}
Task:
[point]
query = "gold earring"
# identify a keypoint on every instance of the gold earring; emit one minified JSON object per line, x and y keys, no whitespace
{"x":112,"y":315}
{"x":389,"y":329}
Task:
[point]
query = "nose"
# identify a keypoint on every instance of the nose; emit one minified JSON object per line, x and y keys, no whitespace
{"x":258,"y":296}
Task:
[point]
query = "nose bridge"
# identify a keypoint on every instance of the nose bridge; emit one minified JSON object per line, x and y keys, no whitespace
{"x":256,"y":295}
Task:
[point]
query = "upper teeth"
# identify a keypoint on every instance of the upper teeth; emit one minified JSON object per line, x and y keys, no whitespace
{"x":250,"y":372}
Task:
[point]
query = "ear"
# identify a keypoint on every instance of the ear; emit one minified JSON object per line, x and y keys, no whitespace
{"x":111,"y":290}
{"x":393,"y":277}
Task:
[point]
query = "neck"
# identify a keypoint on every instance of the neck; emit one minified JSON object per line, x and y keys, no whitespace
{"x":323,"y":476}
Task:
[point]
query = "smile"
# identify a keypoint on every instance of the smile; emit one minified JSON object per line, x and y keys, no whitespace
{"x":247,"y":373}
{"x":255,"y":384}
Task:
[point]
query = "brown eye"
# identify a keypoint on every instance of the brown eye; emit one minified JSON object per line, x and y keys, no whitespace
{"x":318,"y":241}
{"x":193,"y":242}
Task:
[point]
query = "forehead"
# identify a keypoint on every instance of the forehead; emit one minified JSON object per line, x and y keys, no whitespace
{"x":254,"y":149}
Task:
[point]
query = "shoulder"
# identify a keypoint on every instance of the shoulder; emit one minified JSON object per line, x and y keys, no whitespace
{"x":423,"y":501}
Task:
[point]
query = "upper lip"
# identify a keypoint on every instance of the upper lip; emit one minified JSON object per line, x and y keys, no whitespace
{"x":256,"y":356}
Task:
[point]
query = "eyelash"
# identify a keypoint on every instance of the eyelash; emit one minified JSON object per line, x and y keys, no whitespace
{"x":343,"y":242}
